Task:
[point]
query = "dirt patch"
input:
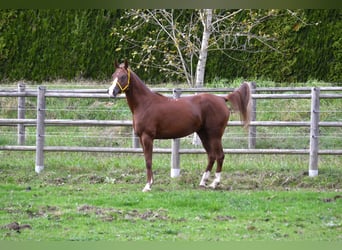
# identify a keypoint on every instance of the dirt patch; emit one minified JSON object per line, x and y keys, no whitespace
{"x":43,"y":211}
{"x":58,"y":181}
{"x":110,"y":214}
{"x":15,"y":226}
{"x":225,"y":218}
{"x":332,"y":199}
{"x":95,"y":179}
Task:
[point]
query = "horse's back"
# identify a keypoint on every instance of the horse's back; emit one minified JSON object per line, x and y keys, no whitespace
{"x":173,"y":118}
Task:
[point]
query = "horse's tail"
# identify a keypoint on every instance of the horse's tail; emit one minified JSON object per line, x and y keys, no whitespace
{"x":240,"y":100}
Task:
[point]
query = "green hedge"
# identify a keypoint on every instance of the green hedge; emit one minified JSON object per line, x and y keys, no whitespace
{"x":45,"y":45}
{"x":312,"y":51}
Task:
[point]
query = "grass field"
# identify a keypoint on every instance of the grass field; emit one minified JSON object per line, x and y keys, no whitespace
{"x":97,"y":196}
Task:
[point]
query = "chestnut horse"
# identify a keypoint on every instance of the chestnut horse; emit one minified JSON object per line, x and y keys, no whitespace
{"x":158,"y":117}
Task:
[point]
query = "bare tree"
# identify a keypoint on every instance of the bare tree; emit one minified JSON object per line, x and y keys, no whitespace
{"x":185,"y":37}
{"x":206,"y":16}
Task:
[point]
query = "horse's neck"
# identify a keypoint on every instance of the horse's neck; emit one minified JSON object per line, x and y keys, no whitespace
{"x":138,"y":95}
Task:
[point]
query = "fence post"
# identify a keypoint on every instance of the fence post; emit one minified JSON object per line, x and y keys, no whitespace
{"x":252,"y":129}
{"x":40,"y":132}
{"x":175,"y":145}
{"x":314,"y":132}
{"x":21,"y":114}
{"x":195,"y":138}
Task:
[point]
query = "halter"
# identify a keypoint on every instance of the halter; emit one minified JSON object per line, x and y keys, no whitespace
{"x":128,"y":82}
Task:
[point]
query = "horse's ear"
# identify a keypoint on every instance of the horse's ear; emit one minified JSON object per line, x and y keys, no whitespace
{"x":126,"y":64}
{"x":116,"y":64}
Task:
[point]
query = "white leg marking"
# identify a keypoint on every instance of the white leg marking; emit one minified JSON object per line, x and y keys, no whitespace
{"x":204,"y":179}
{"x":147,"y":187}
{"x":111,"y":88}
{"x":216,"y":181}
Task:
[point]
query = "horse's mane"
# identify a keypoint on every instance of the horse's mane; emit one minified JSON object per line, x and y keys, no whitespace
{"x":143,"y":83}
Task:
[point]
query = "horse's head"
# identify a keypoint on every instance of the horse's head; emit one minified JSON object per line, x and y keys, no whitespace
{"x":121,"y":79}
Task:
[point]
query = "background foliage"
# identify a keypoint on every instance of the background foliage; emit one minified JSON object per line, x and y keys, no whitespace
{"x":46,"y":45}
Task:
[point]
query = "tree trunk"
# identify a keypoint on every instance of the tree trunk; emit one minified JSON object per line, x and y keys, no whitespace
{"x":206,"y":18}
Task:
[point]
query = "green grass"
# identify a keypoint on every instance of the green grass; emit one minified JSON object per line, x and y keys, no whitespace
{"x":110,"y":213}
{"x":91,"y":197}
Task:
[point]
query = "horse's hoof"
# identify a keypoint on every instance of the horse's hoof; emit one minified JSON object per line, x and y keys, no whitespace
{"x":214,"y":185}
{"x":146,"y":190}
{"x":203,"y":184}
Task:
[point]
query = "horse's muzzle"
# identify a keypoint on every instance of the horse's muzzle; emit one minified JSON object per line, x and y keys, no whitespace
{"x":113,"y":91}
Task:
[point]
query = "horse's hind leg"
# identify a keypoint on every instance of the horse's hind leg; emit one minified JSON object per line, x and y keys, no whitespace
{"x":206,"y":174}
{"x":213,"y":147}
{"x":219,"y":161}
{"x":211,"y":158}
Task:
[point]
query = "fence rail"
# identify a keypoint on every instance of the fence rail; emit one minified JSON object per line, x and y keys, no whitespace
{"x":41,"y":93}
{"x":128,"y":123}
{"x":168,"y":150}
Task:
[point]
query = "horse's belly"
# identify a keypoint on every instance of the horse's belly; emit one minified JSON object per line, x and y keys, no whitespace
{"x":177,"y":128}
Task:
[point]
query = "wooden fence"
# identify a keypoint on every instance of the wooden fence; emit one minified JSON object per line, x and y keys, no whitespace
{"x":41,"y":93}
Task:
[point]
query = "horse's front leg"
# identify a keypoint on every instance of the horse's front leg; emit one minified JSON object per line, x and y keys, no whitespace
{"x":147,"y":144}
